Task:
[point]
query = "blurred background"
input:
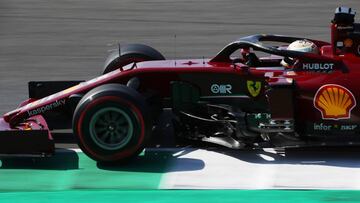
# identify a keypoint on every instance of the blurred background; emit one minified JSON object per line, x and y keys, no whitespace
{"x":70,"y":39}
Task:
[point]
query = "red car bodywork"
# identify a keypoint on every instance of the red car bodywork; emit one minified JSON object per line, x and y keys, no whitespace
{"x":310,"y":112}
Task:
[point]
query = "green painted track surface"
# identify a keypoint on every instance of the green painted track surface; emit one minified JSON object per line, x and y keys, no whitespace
{"x":70,"y":170}
{"x":181,"y":196}
{"x":73,"y":177}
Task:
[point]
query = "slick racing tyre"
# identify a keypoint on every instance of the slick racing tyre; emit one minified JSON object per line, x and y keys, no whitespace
{"x":130,"y":53}
{"x":111,"y":123}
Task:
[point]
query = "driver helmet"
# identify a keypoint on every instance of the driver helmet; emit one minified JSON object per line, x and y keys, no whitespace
{"x":301,"y":46}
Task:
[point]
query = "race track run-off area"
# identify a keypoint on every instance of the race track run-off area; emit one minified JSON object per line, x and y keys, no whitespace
{"x":313,"y":176}
{"x":70,"y":39}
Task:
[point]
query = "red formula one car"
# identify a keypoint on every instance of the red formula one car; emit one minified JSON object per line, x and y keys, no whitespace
{"x":290,"y":97}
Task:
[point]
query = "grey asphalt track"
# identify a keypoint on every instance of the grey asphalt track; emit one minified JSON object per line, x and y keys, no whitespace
{"x":69,"y":39}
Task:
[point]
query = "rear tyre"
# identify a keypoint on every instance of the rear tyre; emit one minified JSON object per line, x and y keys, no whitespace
{"x":112,"y":123}
{"x":129,"y":54}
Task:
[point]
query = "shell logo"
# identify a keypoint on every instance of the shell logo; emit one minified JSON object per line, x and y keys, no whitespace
{"x":334,"y":102}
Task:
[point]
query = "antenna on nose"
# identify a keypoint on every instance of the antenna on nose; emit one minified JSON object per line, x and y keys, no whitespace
{"x":119,"y":49}
{"x":175,"y":48}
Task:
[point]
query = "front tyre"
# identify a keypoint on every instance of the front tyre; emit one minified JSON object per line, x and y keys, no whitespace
{"x":112,"y":123}
{"x":130,"y":53}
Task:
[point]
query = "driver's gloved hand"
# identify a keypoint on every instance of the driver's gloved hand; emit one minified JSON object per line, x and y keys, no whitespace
{"x":252,"y":60}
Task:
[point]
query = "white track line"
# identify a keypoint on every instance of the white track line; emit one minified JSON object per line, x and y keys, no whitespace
{"x":206,"y":169}
{"x":259,"y":170}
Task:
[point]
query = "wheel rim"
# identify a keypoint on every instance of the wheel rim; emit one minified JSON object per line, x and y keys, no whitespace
{"x":111,"y":128}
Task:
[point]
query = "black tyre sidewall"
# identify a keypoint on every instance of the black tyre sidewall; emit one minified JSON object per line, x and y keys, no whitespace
{"x":125,"y":60}
{"x":123,"y":98}
{"x":130,"y":53}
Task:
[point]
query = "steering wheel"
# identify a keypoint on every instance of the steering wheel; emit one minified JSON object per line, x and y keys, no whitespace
{"x":250,"y":58}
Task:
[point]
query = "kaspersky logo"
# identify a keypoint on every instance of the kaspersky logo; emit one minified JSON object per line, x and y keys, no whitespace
{"x":335,"y":102}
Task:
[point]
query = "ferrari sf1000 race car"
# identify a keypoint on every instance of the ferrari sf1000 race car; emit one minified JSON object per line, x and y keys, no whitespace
{"x":302,"y":92}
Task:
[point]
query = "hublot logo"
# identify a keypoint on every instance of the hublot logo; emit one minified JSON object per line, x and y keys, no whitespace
{"x":318,"y":66}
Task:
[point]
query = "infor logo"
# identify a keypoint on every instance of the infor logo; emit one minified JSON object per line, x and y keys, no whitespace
{"x":221,"y":89}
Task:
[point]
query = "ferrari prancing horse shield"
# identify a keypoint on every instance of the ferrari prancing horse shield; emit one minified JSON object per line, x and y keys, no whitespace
{"x":253,"y":87}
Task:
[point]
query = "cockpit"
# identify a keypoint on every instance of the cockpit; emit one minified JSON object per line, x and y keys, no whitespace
{"x":319,"y":56}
